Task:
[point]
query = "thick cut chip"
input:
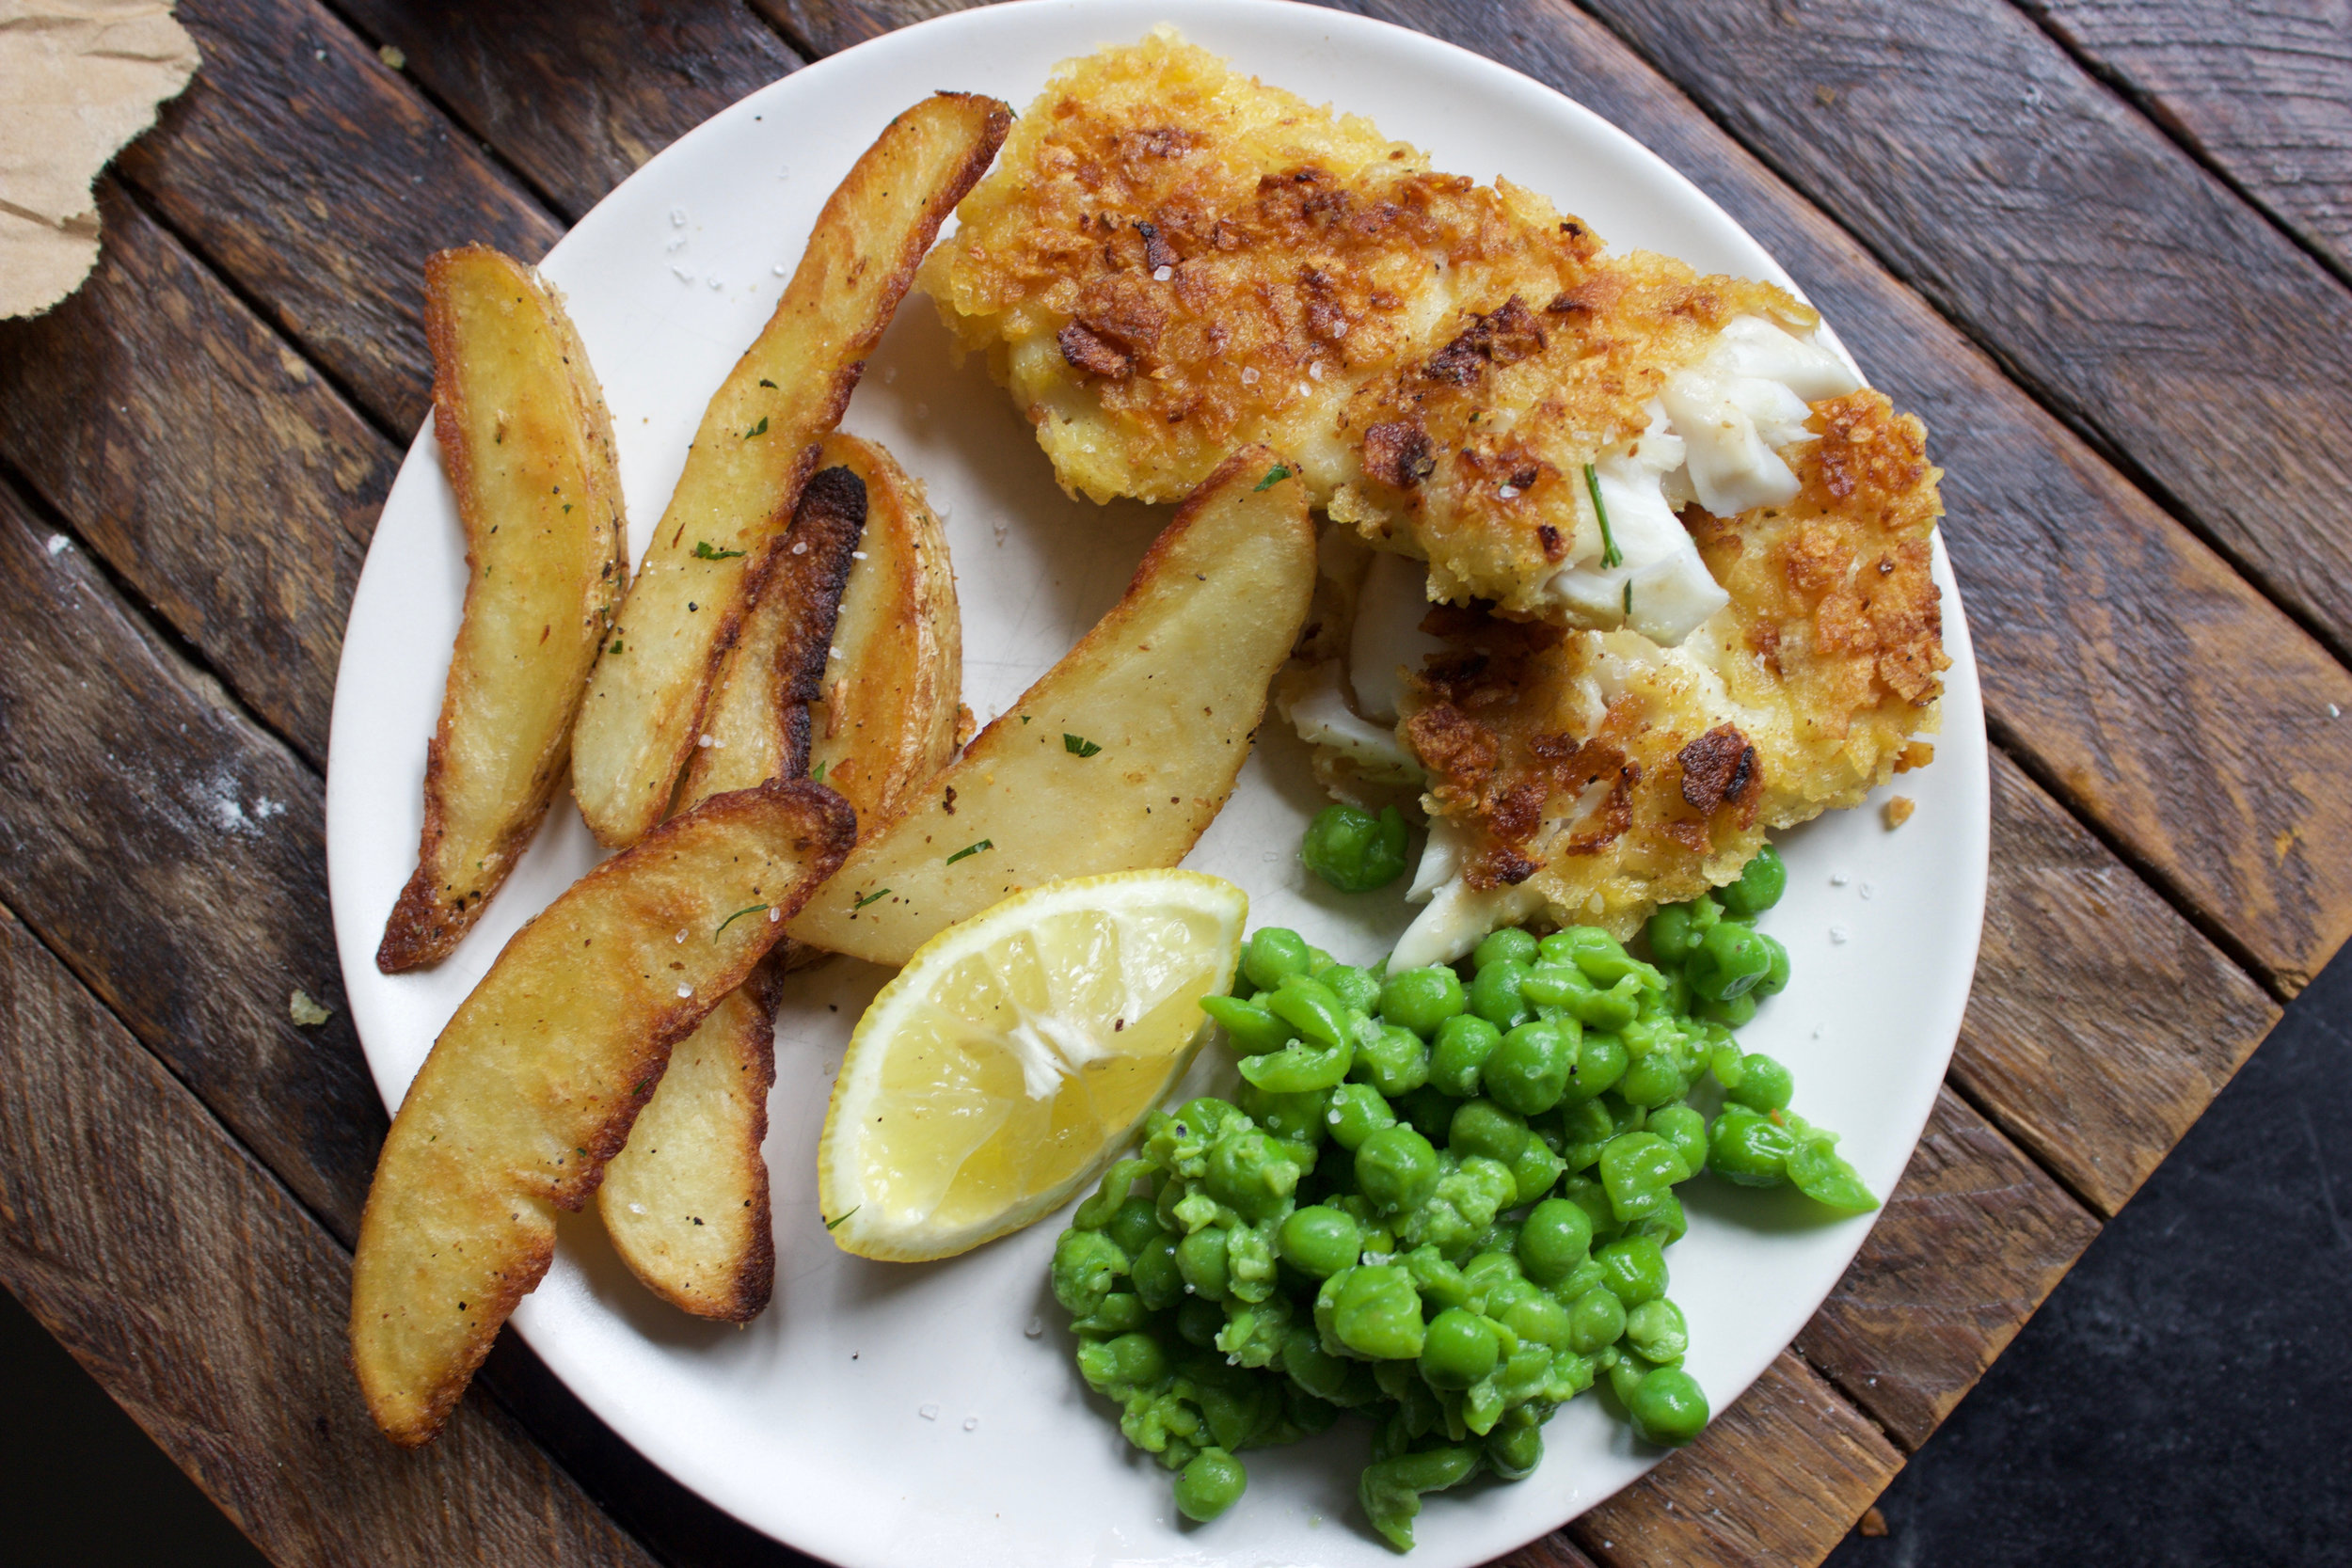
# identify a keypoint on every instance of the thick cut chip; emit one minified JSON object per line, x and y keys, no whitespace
{"x":523,"y":430}
{"x":533,"y":1086}
{"x":885,"y":716}
{"x":755,"y":447}
{"x":757,"y":726}
{"x":1016,"y":1054}
{"x":686,"y":1202}
{"x":1123,"y":753}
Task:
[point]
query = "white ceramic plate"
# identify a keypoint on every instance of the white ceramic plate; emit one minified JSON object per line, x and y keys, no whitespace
{"x":885,"y":1414}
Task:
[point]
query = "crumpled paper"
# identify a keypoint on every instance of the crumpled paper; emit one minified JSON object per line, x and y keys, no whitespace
{"x":78,"y":80}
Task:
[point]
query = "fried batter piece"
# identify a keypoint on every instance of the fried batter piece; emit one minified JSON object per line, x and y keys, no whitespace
{"x":1172,"y":260}
{"x":1585,"y":777}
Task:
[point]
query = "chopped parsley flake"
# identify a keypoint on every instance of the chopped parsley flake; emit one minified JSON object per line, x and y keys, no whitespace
{"x":1274,"y":476}
{"x":1609,"y":555}
{"x":971,"y":849}
{"x":765,"y":382}
{"x":703,"y":552}
{"x":1078,"y":745}
{"x":759,"y":429}
{"x":817,"y":774}
{"x":878,"y":893}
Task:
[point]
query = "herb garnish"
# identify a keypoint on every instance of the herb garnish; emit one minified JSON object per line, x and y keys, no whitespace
{"x":704,"y":552}
{"x":817,"y":774}
{"x":759,"y":429}
{"x":1274,"y":476}
{"x":765,"y":382}
{"x":1609,"y":555}
{"x":1078,"y":745}
{"x":853,"y":1209}
{"x":1629,"y":596}
{"x":972,"y":850}
{"x":748,"y":908}
{"x":878,"y":893}
{"x":616,"y":646}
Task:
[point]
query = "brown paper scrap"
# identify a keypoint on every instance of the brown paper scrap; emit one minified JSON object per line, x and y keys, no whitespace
{"x":78,"y":80}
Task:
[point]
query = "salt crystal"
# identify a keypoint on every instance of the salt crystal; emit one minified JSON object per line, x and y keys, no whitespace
{"x":683,"y":275}
{"x":57,"y":543}
{"x":1304,"y":389}
{"x":677,"y":243}
{"x":1837,"y":935}
{"x":1037,"y":1326}
{"x":774,"y":914}
{"x":1161,"y":275}
{"x":778,"y":269}
{"x":857,"y":555}
{"x":928,"y":1413}
{"x":1249,"y":375}
{"x":1838,"y":878}
{"x":800,"y":546}
{"x":714,"y":284}
{"x":681,"y":935}
{"x":1509,"y":492}
{"x":999,"y":529}
{"x":1866,"y":890}
{"x":970,"y":1422}
{"x":1315,"y":370}
{"x":677,"y":218}
{"x":685,"y":991}
{"x":702,"y":741}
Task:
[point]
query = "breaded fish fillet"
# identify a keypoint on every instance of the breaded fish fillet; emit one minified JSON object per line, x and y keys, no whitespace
{"x":1170,"y":259}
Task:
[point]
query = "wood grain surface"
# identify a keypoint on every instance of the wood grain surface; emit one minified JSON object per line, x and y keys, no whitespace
{"x":306,"y":169}
{"x":204,"y":461}
{"x":174,"y":856}
{"x":2130,"y":288}
{"x":577,"y":95}
{"x":190,"y":1284}
{"x":2262,"y":91}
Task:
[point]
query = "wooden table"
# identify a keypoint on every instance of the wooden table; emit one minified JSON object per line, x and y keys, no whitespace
{"x":2101,"y":245}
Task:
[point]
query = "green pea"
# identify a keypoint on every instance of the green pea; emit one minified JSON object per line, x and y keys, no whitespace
{"x":1508,"y":945}
{"x":1421,"y":999}
{"x":1357,"y":1112}
{"x":1601,"y":957}
{"x":1428,"y":1109}
{"x":1389,"y":1489}
{"x":1464,"y":1043}
{"x":1675,"y":931}
{"x":1595,"y":1319}
{"x":1601,"y":1062}
{"x":1352,"y":850}
{"x":1457,"y":1349}
{"x":1314,"y":1008}
{"x":1482,"y":1127}
{"x":1764,"y":1083}
{"x":1658,"y":1330}
{"x":1634,"y":1269}
{"x":1651,"y":1080}
{"x":1213,"y":1483}
{"x":1494,"y":993}
{"x":1377,"y":1313}
{"x":1390,"y":1058}
{"x":1138,"y":1358}
{"x":1528,"y":1070}
{"x":1639,"y":1169}
{"x":1085,"y":1265}
{"x":1440,"y":1283}
{"x":1299,"y":1067}
{"x":1776,"y":978}
{"x":1584,"y":1129}
{"x":1316,"y":1370}
{"x":1821,"y":1174}
{"x":1666,"y":1222}
{"x":1748,"y":1148}
{"x":1251,"y":1174}
{"x":1251,"y":1026}
{"x":1157,"y":1280}
{"x":1356,"y":988}
{"x":1515,"y":1449}
{"x":1535,"y":1317}
{"x":1738,"y":1013}
{"x":1198,"y":1322}
{"x":1668,"y":1407}
{"x":1396,"y":1168}
{"x":1761,"y":882}
{"x":1489,"y":1271}
{"x":1534,"y":1172}
{"x":1121,"y":1311}
{"x":1729,"y":962}
{"x":1686,"y":1129}
{"x":1553,"y":1240}
{"x":1200,"y":1258}
{"x":1591,"y":1196}
{"x":1273,"y":954}
{"x":1319,"y":1241}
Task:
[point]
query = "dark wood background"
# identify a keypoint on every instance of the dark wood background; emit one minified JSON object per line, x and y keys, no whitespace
{"x":2101,"y":245}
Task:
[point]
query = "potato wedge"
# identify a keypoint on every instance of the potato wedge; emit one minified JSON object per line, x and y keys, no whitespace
{"x":529,"y":448}
{"x":755,"y":447}
{"x":885,"y":716}
{"x":758,"y":719}
{"x":686,"y":1200}
{"x":1168,"y":686}
{"x":533,"y":1086}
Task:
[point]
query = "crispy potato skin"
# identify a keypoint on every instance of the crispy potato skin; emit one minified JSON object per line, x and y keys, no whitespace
{"x":759,"y":720}
{"x":685,"y":1201}
{"x":1170,"y":685}
{"x":754,"y":448}
{"x":885,"y":716}
{"x":533,"y":1084}
{"x":528,"y":444}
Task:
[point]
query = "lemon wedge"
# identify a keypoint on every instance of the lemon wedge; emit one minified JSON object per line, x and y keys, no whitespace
{"x":1015,"y":1054}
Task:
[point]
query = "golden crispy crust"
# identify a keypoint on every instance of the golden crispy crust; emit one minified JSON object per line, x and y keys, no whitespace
{"x":1606,"y":775}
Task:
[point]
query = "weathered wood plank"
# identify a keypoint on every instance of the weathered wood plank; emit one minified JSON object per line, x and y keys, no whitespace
{"x":2101,"y":1024}
{"x":1974,"y":1239}
{"x":2181,"y":711}
{"x":578,"y":95}
{"x":1546,"y":1551}
{"x":2262,"y":90}
{"x":2140,"y":294}
{"x":173,"y":854}
{"x":305,"y":168}
{"x":196,"y":452}
{"x":827,"y":26}
{"x":1775,"y":1481}
{"x":212,"y":1307}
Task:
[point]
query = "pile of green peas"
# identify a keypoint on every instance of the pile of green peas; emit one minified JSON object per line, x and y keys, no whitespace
{"x":1439,"y":1199}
